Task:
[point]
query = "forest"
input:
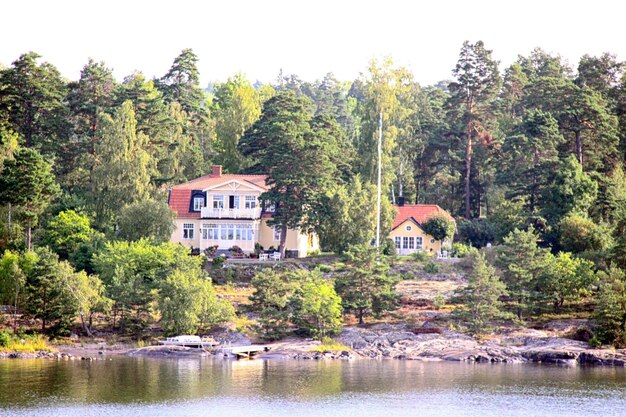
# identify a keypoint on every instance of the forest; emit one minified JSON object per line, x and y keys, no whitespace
{"x":528,"y":158}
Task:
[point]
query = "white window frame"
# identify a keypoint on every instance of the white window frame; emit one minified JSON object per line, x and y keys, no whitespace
{"x":198,"y":203}
{"x":231,"y":231}
{"x":235,"y":202}
{"x":408,"y":242}
{"x":223,"y":231}
{"x":250,"y":202}
{"x":218,"y":202}
{"x":419,"y":244}
{"x":210,"y":232}
{"x":398,"y":241}
{"x":188,"y":231}
{"x":277,"y":233}
{"x":270,"y":207}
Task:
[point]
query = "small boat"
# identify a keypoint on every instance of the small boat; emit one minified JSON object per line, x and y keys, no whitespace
{"x":189,"y":341}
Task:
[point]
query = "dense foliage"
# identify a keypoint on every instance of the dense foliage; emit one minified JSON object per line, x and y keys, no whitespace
{"x":528,"y":158}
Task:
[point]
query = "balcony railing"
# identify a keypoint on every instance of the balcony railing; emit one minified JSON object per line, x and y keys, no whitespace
{"x":215,"y":213}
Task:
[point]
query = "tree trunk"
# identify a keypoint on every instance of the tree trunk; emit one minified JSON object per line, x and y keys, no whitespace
{"x":579,"y":148}
{"x":29,"y":235}
{"x":10,"y":222}
{"x":15,"y":310}
{"x":468,"y":168}
{"x":283,"y":240}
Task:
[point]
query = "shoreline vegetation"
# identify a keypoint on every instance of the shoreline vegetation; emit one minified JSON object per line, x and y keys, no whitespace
{"x":421,"y":327}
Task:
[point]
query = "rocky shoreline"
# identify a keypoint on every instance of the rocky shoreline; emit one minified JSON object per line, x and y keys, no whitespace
{"x":383,"y":341}
{"x":536,"y":346}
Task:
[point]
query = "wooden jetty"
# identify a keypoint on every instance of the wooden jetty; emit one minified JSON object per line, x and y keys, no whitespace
{"x":242,"y":351}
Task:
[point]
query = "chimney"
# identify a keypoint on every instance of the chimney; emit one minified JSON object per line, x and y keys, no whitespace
{"x":400,"y":200}
{"x":217,"y":170}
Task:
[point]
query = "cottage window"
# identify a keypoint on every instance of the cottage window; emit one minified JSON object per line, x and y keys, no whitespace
{"x":231,"y":231}
{"x":188,"y":231}
{"x":432,"y":241}
{"x":409,"y":228}
{"x":398,"y":240}
{"x":277,"y":233}
{"x":270,"y":207}
{"x":218,"y":201}
{"x":418,"y":242}
{"x":233,"y":201}
{"x":198,"y":203}
{"x":250,"y":202}
{"x":223,"y":231}
{"x":408,"y":242}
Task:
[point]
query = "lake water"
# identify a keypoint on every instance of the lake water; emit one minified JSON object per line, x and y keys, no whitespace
{"x":206,"y":387}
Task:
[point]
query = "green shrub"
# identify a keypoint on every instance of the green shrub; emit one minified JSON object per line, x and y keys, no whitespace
{"x":461,"y":250}
{"x":218,"y":261}
{"x":325,"y":268}
{"x":389,"y":247}
{"x":5,"y":338}
{"x":420,"y":256}
{"x":439,"y":301}
{"x":431,"y":268}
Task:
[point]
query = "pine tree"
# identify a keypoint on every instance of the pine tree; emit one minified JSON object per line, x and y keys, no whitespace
{"x":28,"y":184}
{"x":482,"y":297}
{"x":472,"y":96}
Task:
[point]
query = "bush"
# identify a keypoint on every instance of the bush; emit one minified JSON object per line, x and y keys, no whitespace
{"x":325,"y":268}
{"x":439,"y":301}
{"x":5,"y":338}
{"x":420,"y":256}
{"x":431,"y":268}
{"x":218,"y":261}
{"x":477,"y":232}
{"x":388,"y":247}
{"x":461,"y":250}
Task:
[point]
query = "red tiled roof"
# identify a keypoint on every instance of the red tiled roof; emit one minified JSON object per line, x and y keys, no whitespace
{"x":179,"y":203}
{"x":418,"y":212}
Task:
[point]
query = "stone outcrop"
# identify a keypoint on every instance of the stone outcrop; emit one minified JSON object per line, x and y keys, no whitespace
{"x":395,"y":341}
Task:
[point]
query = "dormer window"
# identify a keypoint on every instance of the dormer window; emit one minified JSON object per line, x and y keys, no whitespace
{"x":198,"y":203}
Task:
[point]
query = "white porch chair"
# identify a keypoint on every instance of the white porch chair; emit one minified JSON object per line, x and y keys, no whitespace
{"x":263,"y":256}
{"x":276,"y":256}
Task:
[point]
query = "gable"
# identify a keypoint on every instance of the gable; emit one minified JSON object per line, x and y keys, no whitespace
{"x":234,"y":185}
{"x":410,"y":221}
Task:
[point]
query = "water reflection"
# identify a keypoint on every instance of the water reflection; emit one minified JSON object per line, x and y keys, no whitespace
{"x":154,"y":382}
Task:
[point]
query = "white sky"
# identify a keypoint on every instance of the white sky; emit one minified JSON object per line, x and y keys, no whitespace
{"x":308,"y":38}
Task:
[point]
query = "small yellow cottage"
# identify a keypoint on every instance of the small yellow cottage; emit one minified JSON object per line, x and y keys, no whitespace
{"x":407,"y":232}
{"x":225,"y":210}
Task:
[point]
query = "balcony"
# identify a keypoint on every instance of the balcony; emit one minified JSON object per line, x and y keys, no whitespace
{"x":215,"y":213}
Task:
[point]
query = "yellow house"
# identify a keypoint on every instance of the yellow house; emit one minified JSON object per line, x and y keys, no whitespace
{"x":407,"y":232}
{"x":224,"y":210}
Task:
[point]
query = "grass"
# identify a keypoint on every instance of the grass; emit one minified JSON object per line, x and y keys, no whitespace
{"x":329,"y":345}
{"x":25,"y":344}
